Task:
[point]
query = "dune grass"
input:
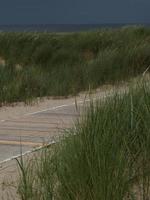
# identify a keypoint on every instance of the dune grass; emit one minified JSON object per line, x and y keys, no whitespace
{"x":45,"y":64}
{"x":105,"y":156}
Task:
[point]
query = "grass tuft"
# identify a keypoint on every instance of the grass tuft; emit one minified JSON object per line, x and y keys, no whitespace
{"x":106,"y":156}
{"x":44,"y":64}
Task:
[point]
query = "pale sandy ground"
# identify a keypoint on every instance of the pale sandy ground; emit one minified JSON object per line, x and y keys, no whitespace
{"x":20,"y":109}
{"x":8,"y":170}
{"x":2,"y":61}
{"x":9,"y":178}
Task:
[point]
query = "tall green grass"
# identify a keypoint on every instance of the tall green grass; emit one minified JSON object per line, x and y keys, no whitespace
{"x":106,"y":156}
{"x":45,"y":64}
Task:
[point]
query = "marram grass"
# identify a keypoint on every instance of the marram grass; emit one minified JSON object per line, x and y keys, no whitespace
{"x":44,"y":64}
{"x":106,"y":156}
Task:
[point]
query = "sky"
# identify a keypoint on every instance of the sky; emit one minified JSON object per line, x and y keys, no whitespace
{"x":74,"y":11}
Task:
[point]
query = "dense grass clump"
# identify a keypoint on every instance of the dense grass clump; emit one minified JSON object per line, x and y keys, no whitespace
{"x":106,"y":156}
{"x":45,"y":64}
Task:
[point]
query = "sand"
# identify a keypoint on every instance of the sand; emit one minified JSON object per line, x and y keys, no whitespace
{"x":8,"y":170}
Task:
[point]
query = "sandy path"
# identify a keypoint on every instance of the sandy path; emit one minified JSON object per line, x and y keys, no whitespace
{"x":33,"y":122}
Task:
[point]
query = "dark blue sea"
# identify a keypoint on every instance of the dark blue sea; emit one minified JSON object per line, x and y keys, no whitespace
{"x":61,"y":27}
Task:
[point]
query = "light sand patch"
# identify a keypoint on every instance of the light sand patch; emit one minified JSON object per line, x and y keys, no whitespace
{"x":8,"y":170}
{"x":2,"y":61}
{"x":17,"y":110}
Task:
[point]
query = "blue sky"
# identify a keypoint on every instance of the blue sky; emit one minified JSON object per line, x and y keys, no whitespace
{"x":74,"y":11}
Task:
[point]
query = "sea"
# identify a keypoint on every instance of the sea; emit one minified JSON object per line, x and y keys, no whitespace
{"x":61,"y":27}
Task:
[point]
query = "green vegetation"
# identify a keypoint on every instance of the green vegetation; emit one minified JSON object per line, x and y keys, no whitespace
{"x":106,"y":156}
{"x":45,"y":64}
